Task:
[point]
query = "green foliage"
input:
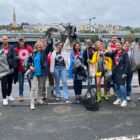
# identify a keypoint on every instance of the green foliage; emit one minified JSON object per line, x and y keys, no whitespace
{"x":94,"y":38}
{"x":36,"y":31}
{"x":131,"y":37}
{"x":86,"y":31}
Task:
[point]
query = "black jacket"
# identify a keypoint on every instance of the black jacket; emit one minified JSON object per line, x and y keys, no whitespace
{"x":91,"y":51}
{"x":43,"y":59}
{"x":121,"y":69}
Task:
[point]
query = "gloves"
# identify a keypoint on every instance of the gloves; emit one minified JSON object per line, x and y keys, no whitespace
{"x":17,"y":57}
{"x":88,"y":60}
{"x":124,"y":76}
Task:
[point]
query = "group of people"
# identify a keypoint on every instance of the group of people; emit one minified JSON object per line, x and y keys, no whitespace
{"x":45,"y":61}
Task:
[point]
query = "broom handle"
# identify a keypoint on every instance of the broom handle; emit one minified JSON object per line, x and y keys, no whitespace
{"x":88,"y":69}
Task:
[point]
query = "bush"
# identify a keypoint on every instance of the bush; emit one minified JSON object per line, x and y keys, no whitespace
{"x":131,"y":37}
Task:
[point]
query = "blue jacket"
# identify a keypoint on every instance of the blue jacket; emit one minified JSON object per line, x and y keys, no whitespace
{"x":43,"y":59}
{"x":72,"y":61}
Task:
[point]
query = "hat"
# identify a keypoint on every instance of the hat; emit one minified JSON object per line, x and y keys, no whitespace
{"x":21,"y":38}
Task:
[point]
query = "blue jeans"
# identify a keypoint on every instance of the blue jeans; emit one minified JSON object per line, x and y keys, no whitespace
{"x":60,"y":72}
{"x":128,"y":83}
{"x":21,"y":82}
{"x":121,"y":91}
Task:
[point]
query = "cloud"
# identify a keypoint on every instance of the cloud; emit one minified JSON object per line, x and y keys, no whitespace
{"x":76,"y":11}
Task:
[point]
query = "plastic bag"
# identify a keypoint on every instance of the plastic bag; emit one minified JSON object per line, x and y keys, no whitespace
{"x":4,"y":66}
{"x":92,"y":70}
{"x":108,"y":75}
{"x":135,"y":61}
{"x":101,"y":66}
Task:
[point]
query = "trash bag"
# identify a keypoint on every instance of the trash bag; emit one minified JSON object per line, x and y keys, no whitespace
{"x":92,"y":70}
{"x":90,"y":101}
{"x":108,"y":75}
{"x":79,"y":70}
{"x":76,"y":65}
{"x":101,"y":66}
{"x":4,"y":66}
{"x":25,"y":64}
{"x":135,"y":60}
{"x":47,"y":34}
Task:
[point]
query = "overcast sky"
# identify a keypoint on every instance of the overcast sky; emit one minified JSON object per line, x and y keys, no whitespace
{"x":123,"y":12}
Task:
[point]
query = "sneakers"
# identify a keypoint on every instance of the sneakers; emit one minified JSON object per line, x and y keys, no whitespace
{"x":67,"y":101}
{"x":128,"y":98}
{"x":32,"y":106}
{"x":53,"y":94}
{"x":57,"y":99}
{"x":5,"y":101}
{"x":114,"y":93}
{"x":117,"y":102}
{"x":39,"y":101}
{"x":21,"y":98}
{"x":124,"y":103}
{"x":10,"y":98}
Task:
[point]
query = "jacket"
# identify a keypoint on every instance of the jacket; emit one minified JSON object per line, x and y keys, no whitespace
{"x":11,"y":58}
{"x":43,"y":57}
{"x":91,"y":51}
{"x":108,"y":62}
{"x":64,"y":55}
{"x":122,"y":68}
{"x":72,"y":61}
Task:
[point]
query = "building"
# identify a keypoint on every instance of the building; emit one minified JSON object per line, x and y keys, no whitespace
{"x":14,"y":24}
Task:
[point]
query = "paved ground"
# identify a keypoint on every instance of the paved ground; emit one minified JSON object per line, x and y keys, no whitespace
{"x":70,"y":121}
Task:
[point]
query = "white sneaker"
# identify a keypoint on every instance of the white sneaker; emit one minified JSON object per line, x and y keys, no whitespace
{"x":117,"y":102}
{"x":39,"y":101}
{"x":124,"y":103}
{"x":5,"y":101}
{"x":32,"y":106}
{"x":10,"y":98}
{"x":128,"y":98}
{"x":57,"y":99}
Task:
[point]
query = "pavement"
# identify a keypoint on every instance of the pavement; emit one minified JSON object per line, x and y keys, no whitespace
{"x":61,"y":121}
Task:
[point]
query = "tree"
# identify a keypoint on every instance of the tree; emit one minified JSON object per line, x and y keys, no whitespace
{"x":131,"y":37}
{"x":94,"y":38}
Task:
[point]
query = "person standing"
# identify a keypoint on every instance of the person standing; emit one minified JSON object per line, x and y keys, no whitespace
{"x":111,"y":48}
{"x":23,"y":51}
{"x":50,"y":76}
{"x":91,"y":51}
{"x":6,"y":81}
{"x":129,"y":50}
{"x":58,"y":68}
{"x":119,"y":72}
{"x":77,"y":83}
{"x":38,"y":65}
{"x":100,"y":73}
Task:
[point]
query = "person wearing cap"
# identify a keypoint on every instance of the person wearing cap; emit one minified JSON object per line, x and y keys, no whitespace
{"x":22,"y":50}
{"x":7,"y":80}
